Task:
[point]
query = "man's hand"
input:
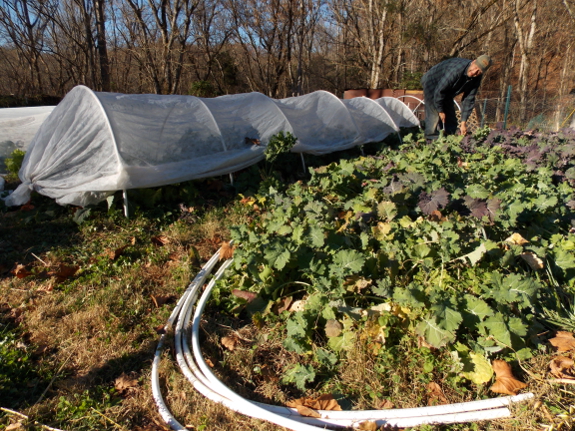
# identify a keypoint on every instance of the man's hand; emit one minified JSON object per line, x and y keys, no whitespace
{"x":463,"y":128}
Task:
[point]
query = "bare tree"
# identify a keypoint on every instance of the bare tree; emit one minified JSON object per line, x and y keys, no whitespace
{"x":100,"y":8}
{"x":158,"y":33}
{"x":265,"y":30}
{"x":366,"y":23}
{"x":23,"y":23}
{"x":525,"y":29}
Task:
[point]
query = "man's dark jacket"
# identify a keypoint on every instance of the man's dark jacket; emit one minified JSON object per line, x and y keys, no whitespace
{"x":446,"y":80}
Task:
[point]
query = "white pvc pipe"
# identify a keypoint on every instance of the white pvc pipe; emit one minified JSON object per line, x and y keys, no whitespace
{"x":209,"y":385}
{"x":156,"y":390}
{"x":347,"y":416}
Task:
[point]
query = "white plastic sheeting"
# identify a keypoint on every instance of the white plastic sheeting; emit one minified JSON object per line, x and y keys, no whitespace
{"x":17,"y":128}
{"x":94,"y":144}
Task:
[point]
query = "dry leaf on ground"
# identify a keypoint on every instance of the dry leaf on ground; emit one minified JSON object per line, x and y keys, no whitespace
{"x":16,"y":426}
{"x":437,"y":216}
{"x":532,"y":260}
{"x":298,"y":305}
{"x":47,"y":288}
{"x":248,"y":296}
{"x":64,"y":272}
{"x":333,"y":328}
{"x":368,"y":426}
{"x":285,"y":304}
{"x":114,"y":254}
{"x":516,"y":239}
{"x":160,"y":240}
{"x":505,"y":382}
{"x":323,"y":402}
{"x":386,"y":404}
{"x":226,"y":251}
{"x":126,"y":383}
{"x":306,"y":411}
{"x":27,"y":207}
{"x":21,"y":271}
{"x":436,"y":395}
{"x":563,"y":340}
{"x":160,"y":300}
{"x":562,"y":367}
{"x":230,"y":343}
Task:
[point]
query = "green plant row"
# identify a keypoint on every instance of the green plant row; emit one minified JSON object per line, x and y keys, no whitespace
{"x":415,"y":241}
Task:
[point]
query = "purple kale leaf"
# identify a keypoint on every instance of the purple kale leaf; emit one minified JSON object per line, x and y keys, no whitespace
{"x":492,"y":207}
{"x":478,"y":207}
{"x":431,"y":202}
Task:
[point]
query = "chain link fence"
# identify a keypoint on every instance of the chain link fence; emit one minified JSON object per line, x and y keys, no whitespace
{"x":545,"y":116}
{"x":502,"y":113}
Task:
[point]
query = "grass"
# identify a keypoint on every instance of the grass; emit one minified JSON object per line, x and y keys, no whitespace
{"x":67,"y":339}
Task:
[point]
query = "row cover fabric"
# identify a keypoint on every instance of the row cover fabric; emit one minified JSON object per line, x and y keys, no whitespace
{"x":94,"y":144}
{"x":17,"y":128}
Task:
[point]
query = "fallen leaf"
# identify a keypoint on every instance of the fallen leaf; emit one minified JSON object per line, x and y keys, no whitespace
{"x":516,"y":239}
{"x":47,"y":288}
{"x":533,"y":260}
{"x":422,"y":343}
{"x":160,"y":240}
{"x":306,"y":411}
{"x":114,"y":254}
{"x":64,"y":272}
{"x":248,"y":296}
{"x":133,"y":240}
{"x":436,"y":395}
{"x":323,"y":402}
{"x":562,"y":367}
{"x":285,"y":304}
{"x":209,"y":362}
{"x":16,"y":426}
{"x":505,"y":383}
{"x":386,"y":404}
{"x":160,"y":329}
{"x":16,"y":315}
{"x":298,"y":305}
{"x":461,"y":163}
{"x":361,"y":284}
{"x":160,"y":300}
{"x":248,"y":200}
{"x":368,"y":426}
{"x":437,"y":216}
{"x":563,"y":340}
{"x":226,"y":251}
{"x":27,"y":207}
{"x":174,"y":257}
{"x":21,"y":271}
{"x":229,"y":343}
{"x":126,"y":382}
{"x":333,"y":328}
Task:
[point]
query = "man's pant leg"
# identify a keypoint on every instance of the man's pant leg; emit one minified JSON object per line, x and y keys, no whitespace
{"x":450,"y":119}
{"x":431,"y":121}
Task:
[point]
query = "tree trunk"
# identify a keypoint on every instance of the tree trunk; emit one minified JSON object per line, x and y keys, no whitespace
{"x":99,"y":6}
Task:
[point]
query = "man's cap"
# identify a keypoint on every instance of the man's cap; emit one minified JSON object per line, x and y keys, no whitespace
{"x":483,"y":62}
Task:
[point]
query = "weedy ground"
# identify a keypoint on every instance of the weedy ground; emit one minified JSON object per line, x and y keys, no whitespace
{"x":83,"y":297}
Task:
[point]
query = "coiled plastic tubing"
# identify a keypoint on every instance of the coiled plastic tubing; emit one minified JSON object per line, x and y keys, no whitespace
{"x":185,"y":322}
